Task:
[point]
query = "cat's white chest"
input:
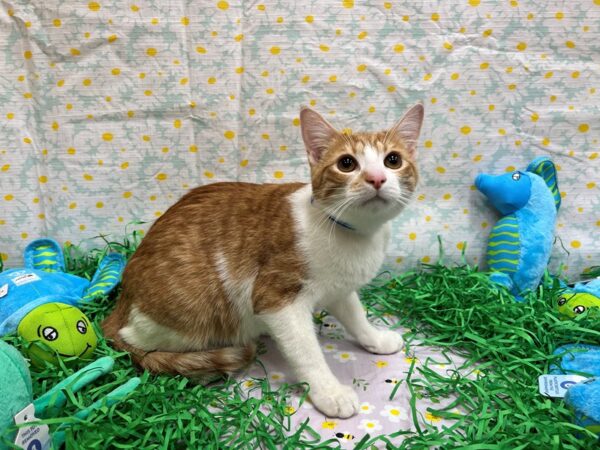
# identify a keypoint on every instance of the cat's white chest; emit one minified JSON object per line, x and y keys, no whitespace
{"x":346,"y":263}
{"x":340,"y":261}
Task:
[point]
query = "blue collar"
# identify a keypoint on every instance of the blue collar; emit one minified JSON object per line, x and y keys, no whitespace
{"x":334,"y":220}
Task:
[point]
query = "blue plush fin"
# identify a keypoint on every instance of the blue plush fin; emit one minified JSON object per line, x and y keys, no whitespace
{"x":584,"y":399}
{"x":106,"y":277}
{"x":590,"y":287}
{"x":44,"y":254}
{"x":502,"y":279}
{"x":579,"y":359}
{"x":544,"y":167}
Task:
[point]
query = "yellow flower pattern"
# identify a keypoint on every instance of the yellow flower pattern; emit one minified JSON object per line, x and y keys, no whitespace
{"x":110,"y":103}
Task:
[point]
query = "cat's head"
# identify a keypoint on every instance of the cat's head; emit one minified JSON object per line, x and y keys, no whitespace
{"x":362,"y":178}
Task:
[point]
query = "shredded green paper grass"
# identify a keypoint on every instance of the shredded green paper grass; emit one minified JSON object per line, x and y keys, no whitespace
{"x":455,"y":309}
{"x":509,"y":344}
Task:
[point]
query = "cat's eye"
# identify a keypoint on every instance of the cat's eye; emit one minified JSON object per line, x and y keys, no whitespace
{"x":393,"y":160}
{"x":347,"y":163}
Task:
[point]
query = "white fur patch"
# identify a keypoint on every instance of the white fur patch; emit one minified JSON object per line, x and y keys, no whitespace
{"x":144,"y":333}
{"x":373,"y":161}
{"x":239,"y":293}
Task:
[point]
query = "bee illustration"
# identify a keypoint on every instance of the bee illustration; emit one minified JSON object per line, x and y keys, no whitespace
{"x":392,"y":381}
{"x":345,"y":437}
{"x":330,"y":325}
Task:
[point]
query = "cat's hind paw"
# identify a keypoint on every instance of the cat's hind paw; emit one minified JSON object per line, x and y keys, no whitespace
{"x":386,"y":342}
{"x":339,"y":401}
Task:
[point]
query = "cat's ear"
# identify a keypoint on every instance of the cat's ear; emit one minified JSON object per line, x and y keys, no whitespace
{"x":408,"y":128}
{"x":317,"y":133}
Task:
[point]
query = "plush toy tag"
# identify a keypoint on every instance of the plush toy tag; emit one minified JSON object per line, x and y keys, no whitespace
{"x":33,"y":437}
{"x":557,"y":385}
{"x":3,"y":290}
{"x":25,"y":278}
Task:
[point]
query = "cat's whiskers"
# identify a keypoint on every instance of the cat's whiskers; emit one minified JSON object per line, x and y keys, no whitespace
{"x":330,"y":211}
{"x":322,"y":223}
{"x":338,"y":212}
{"x":332,"y":219}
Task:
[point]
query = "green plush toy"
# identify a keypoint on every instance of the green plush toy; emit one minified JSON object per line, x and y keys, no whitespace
{"x":63,"y":328}
{"x":571,"y":305}
{"x":40,"y":301}
{"x":16,"y":395}
{"x":579,"y":299}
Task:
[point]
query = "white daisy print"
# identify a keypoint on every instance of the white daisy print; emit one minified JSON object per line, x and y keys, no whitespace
{"x":381,"y":364}
{"x":277,"y":377}
{"x":345,"y":356}
{"x":369,"y":425}
{"x":476,"y":374}
{"x":329,"y":424}
{"x":394,"y":413}
{"x":479,"y":373}
{"x":249,"y":384}
{"x":432,"y":417}
{"x":410,"y":359}
{"x":365,"y":408}
{"x":330,"y":348}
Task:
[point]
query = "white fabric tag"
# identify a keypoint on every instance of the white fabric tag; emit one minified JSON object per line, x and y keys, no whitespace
{"x":3,"y":290}
{"x":557,"y":385}
{"x":25,"y":278}
{"x":33,"y":437}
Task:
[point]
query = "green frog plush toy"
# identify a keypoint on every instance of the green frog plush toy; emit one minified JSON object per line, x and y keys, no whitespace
{"x":40,"y":302}
{"x":579,"y":299}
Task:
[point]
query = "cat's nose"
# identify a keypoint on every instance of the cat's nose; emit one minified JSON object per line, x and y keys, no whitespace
{"x":376,"y":179}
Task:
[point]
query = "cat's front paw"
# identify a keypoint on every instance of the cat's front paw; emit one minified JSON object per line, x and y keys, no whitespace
{"x":385,"y":342}
{"x":338,"y":401}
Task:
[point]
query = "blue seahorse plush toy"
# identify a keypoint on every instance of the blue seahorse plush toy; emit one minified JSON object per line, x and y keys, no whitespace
{"x":520,"y":243}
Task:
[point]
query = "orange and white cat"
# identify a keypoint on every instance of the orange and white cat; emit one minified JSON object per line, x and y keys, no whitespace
{"x":231,"y":261}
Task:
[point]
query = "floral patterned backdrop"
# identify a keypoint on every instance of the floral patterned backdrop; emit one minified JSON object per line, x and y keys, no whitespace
{"x":110,"y":110}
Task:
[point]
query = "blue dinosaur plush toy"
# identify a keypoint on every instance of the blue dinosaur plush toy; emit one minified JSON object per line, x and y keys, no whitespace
{"x":40,"y":301}
{"x":520,"y":243}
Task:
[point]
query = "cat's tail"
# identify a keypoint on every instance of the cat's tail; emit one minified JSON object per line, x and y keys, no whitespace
{"x":227,"y":360}
{"x":196,"y":365}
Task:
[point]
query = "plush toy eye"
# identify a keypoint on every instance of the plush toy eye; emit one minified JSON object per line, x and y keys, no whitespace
{"x":562,"y":301}
{"x":81,"y":327}
{"x":393,"y":160}
{"x":346,"y":163}
{"x":50,"y":334}
{"x":516,"y":176}
{"x":579,"y":309}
